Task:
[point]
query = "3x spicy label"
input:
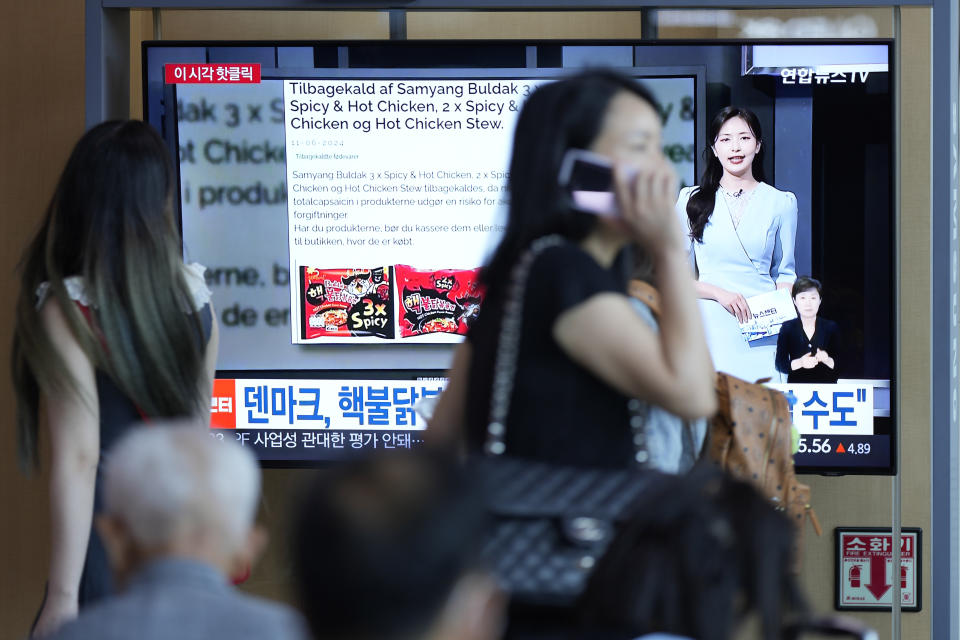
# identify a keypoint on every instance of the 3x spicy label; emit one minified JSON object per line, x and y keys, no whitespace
{"x":347,"y":302}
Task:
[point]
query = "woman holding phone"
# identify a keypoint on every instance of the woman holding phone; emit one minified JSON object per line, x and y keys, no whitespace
{"x":112,"y":328}
{"x":584,"y":355}
{"x":741,"y":236}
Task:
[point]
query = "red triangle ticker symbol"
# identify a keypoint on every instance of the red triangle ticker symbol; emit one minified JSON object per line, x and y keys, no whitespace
{"x":840,"y":448}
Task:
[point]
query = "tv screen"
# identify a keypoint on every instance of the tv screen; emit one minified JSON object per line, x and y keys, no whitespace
{"x":343,"y":197}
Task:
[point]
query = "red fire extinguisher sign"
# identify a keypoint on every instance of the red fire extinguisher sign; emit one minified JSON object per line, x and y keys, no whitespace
{"x":866,"y":573}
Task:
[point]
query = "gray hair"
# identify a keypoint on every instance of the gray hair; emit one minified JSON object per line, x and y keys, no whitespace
{"x":169,"y":479}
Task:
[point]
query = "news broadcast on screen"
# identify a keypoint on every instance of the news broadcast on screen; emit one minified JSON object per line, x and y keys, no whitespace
{"x":345,"y":197}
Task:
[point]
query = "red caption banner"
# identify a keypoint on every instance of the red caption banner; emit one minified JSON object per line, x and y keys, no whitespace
{"x":223,"y":411}
{"x":212,"y":73}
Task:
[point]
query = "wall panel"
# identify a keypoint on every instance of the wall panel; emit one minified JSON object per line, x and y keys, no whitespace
{"x":265,"y":25}
{"x":41,"y":116}
{"x":141,"y":28}
{"x":914,"y":292}
{"x":523,"y":24}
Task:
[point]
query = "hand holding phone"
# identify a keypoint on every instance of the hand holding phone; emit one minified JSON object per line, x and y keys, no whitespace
{"x":641,"y":198}
{"x":587,"y":179}
{"x":647,"y":199}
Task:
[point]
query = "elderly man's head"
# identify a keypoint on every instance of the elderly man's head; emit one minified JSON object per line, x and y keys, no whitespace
{"x":170,"y":489}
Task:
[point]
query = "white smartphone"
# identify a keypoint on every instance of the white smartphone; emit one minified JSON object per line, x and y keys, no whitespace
{"x":587,"y":178}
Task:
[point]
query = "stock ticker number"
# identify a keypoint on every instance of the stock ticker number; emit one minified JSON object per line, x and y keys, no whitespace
{"x":817,"y":445}
{"x":823,"y":445}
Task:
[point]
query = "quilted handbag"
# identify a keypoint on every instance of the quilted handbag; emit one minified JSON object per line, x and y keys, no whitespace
{"x":551,"y":523}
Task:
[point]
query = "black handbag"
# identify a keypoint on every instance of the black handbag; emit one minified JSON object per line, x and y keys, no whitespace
{"x":550,"y":523}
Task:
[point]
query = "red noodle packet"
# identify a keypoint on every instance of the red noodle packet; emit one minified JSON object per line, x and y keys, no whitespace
{"x":441,"y":301}
{"x":346,"y":302}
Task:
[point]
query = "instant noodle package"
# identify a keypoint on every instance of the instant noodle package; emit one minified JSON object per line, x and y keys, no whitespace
{"x":350,"y":303}
{"x":347,"y":302}
{"x":441,"y":301}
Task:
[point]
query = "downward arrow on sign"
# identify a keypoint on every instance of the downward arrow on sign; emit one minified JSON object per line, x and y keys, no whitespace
{"x":878,"y":577}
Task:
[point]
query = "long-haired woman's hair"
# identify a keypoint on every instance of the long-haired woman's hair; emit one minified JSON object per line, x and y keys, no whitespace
{"x":700,"y":552}
{"x":562,"y":115}
{"x":702,"y":200}
{"x":110,"y":221}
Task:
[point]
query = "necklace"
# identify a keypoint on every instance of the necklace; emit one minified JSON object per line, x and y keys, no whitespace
{"x":733,"y":194}
{"x":736,"y":203}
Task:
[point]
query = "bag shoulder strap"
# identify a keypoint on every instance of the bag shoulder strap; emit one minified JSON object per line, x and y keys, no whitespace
{"x":508,"y":351}
{"x":508,"y":346}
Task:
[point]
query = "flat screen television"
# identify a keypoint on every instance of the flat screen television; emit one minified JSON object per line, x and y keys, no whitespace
{"x":343,"y":196}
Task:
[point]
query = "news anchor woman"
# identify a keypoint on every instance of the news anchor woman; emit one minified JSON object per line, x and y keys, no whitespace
{"x":111,"y":329}
{"x":583,"y":352}
{"x":741,"y":236}
{"x":808,"y":345}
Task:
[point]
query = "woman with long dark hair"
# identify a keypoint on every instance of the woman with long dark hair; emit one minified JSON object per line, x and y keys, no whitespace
{"x":111,"y":329}
{"x":584,"y":356}
{"x":741,"y":236}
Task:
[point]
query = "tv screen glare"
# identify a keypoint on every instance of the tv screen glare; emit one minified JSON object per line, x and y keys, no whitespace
{"x":344,"y":201}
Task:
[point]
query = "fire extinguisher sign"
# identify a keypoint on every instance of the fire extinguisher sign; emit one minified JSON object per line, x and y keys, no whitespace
{"x":866,"y":577}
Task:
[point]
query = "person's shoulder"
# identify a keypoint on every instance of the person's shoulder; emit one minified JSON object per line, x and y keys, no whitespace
{"x":238,"y":615}
{"x":565,"y":255}
{"x":565,"y":263}
{"x":829,"y":325}
{"x":280,"y":621}
{"x":107,"y":619}
{"x":566,"y":275}
{"x":788,"y":198}
{"x":76,"y":291}
{"x":789,"y":325}
{"x":195,"y":279}
{"x":686,"y":192}
{"x":77,"y":629}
